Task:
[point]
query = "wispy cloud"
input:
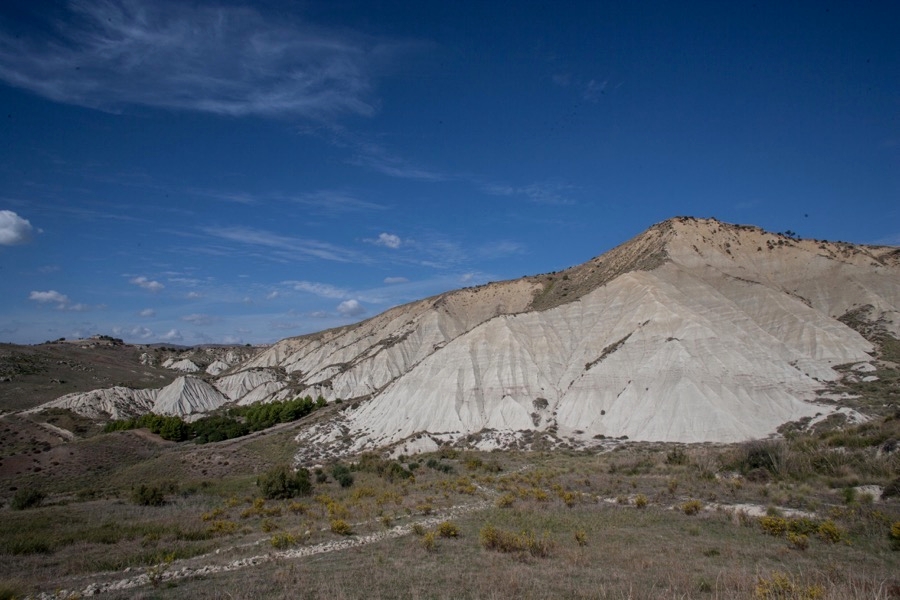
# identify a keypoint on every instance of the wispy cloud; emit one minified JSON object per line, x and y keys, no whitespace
{"x":147,"y":312}
{"x":14,"y":230}
{"x":220,"y":59}
{"x":199,"y":319}
{"x":323,"y":290}
{"x":593,"y":89}
{"x":395,"y":280}
{"x":589,"y":89}
{"x":286,"y":247}
{"x":539,"y":193}
{"x":376,"y":157}
{"x":333,"y":202}
{"x":379,"y":159}
{"x":147,"y":284}
{"x":330,"y":203}
{"x":500,"y":249}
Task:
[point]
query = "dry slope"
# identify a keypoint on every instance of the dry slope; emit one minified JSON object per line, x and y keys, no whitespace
{"x":695,"y":330}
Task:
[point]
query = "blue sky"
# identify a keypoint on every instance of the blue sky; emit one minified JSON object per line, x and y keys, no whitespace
{"x":194,"y":172}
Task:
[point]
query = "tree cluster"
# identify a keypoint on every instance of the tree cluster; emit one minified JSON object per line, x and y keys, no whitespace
{"x":239,"y":421}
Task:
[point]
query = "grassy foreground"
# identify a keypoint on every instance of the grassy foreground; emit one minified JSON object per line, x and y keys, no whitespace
{"x":777,"y":519}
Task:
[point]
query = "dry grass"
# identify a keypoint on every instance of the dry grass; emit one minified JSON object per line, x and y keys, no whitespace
{"x":644,"y":520}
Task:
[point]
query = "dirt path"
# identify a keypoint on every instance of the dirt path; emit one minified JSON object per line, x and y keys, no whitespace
{"x":173,"y":572}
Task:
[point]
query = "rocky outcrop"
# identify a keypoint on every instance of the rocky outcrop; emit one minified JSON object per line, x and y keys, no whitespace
{"x":187,"y":396}
{"x":217,"y":367}
{"x":110,"y":403}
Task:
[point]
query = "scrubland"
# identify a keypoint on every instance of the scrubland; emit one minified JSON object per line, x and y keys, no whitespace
{"x":813,"y":515}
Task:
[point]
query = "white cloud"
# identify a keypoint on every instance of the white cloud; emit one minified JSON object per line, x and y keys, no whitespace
{"x":198,"y":319}
{"x":173,"y":335}
{"x":388,"y":240}
{"x":395,"y":280}
{"x":194,"y":295}
{"x":466,"y":277}
{"x":61,"y":301}
{"x":272,"y":295}
{"x":147,"y":284}
{"x":319,"y":314}
{"x":323,"y":290}
{"x":49,"y":296}
{"x":14,"y":230}
{"x":141,"y":332}
{"x":221,"y":59}
{"x":147,"y":312}
{"x":350,"y":308}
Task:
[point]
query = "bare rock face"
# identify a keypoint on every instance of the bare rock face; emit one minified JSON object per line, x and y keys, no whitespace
{"x":695,"y":330}
{"x":110,"y":403}
{"x":253,"y":385}
{"x":217,"y":367}
{"x":184,"y":365}
{"x":187,"y":396}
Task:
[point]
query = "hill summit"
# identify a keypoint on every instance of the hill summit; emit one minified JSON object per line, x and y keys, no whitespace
{"x":695,"y":330}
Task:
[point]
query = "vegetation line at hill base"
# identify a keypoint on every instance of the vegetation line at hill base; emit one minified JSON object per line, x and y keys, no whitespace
{"x":237,"y":422}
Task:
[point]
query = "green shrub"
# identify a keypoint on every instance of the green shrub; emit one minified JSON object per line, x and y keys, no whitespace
{"x":448,"y":529}
{"x":798,"y":540}
{"x":390,"y":470}
{"x":894,"y":535}
{"x":780,"y":585}
{"x":428,"y":541}
{"x":282,"y":482}
{"x":281,"y":541}
{"x":506,"y":500}
{"x":222,"y":527}
{"x":341,"y":527}
{"x":499,"y":540}
{"x":27,"y":498}
{"x":830,"y":532}
{"x":148,"y":495}
{"x":691,"y":507}
{"x":775,"y":526}
{"x":342,"y":475}
{"x":676,"y":456}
